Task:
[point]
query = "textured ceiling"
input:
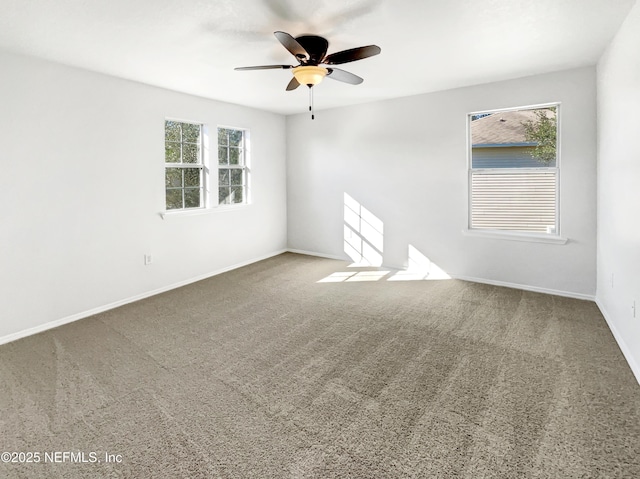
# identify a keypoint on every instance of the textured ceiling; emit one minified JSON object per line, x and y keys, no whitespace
{"x":192,"y":46}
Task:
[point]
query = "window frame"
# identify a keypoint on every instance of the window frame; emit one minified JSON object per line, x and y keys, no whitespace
{"x":202,"y":165}
{"x":518,"y":235}
{"x":243,"y":165}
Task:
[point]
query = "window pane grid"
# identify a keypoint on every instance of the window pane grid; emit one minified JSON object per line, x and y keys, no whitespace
{"x":183,"y":198}
{"x":184,"y":168}
{"x":183,"y":142}
{"x":232,"y":169}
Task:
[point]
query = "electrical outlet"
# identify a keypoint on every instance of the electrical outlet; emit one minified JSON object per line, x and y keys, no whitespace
{"x":148,"y":259}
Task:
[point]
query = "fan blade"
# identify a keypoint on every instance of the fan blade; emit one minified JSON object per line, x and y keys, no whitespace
{"x":292,"y":45}
{"x":346,"y":56}
{"x":345,"y":76}
{"x":293,"y":84}
{"x":265,"y":67}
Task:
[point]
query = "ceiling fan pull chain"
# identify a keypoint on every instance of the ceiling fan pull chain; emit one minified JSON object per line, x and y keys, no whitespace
{"x":311,"y":102}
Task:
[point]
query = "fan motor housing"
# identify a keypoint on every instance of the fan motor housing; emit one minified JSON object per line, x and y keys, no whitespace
{"x":315,"y":46}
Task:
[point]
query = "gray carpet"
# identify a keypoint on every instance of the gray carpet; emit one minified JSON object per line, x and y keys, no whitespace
{"x":264,"y":372}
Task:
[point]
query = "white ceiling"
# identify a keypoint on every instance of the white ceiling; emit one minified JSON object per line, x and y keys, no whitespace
{"x":192,"y":46}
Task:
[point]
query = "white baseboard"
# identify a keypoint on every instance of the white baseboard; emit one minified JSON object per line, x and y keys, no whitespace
{"x":535,"y":289}
{"x":100,"y":309}
{"x":626,"y":351}
{"x":320,"y":255}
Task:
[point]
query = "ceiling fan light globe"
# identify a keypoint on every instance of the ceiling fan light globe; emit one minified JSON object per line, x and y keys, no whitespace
{"x":309,"y":75}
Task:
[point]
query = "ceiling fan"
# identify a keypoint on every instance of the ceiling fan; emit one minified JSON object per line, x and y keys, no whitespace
{"x":311,"y":52}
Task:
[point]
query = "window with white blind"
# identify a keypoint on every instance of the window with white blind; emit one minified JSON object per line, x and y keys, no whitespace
{"x":513,"y":170}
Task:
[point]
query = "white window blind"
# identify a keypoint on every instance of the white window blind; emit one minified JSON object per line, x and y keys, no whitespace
{"x":514,"y":201}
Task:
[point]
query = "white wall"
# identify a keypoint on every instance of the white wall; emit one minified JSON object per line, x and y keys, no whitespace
{"x":619,"y":187}
{"x":405,"y":160}
{"x":82,"y":185}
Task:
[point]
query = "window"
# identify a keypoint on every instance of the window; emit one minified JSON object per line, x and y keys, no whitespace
{"x":232,"y":166}
{"x":184,"y":166}
{"x":513,"y":170}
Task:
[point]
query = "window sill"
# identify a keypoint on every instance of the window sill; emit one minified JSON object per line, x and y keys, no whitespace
{"x":200,"y":211}
{"x":513,"y":236}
